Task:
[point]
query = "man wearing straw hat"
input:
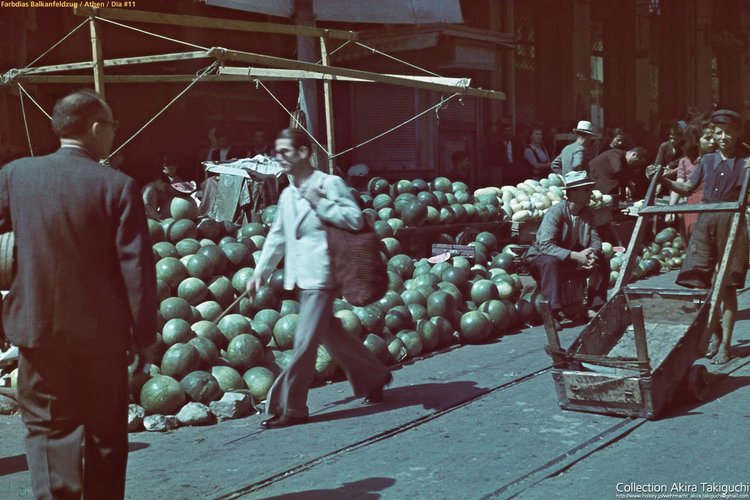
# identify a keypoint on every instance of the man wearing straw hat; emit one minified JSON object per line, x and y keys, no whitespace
{"x":84,"y":293}
{"x":567,"y":244}
{"x":574,"y":155}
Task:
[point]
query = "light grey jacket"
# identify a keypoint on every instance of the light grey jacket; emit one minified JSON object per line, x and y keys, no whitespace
{"x":298,"y":235}
{"x":572,"y":157}
{"x":556,"y":237}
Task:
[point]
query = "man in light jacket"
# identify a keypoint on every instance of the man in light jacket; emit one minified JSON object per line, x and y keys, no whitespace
{"x":298,"y":234}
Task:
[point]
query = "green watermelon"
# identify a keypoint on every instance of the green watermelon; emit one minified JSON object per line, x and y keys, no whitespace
{"x":217,"y":256}
{"x":175,"y":307}
{"x":429,"y":333}
{"x":444,"y":330}
{"x":201,"y":267}
{"x":183,"y":208}
{"x":193,"y":290}
{"x":440,"y":303}
{"x":179,"y":360}
{"x":209,"y":228}
{"x":220,"y":289}
{"x":283,"y":331}
{"x":392,"y":246}
{"x":264,"y":298}
{"x":378,"y":185}
{"x":207,"y":350}
{"x":244,"y":352}
{"x":162,"y":395}
{"x":171,"y":271}
{"x":176,"y":330}
{"x":188,"y":246}
{"x":209,"y":310}
{"x":240,"y":279}
{"x":181,"y":229}
{"x":251,"y":229}
{"x":165,"y":249}
{"x":201,"y":387}
{"x":228,"y":378}
{"x":475,"y":327}
{"x":325,"y":367}
{"x":401,"y":264}
{"x":412,"y":341}
{"x":442,"y":184}
{"x":382,"y":201}
{"x":234,"y":325}
{"x":414,"y":213}
{"x":237,"y":255}
{"x":403,"y":186}
{"x":377,"y":346}
{"x":350,"y":323}
{"x":259,"y":380}
{"x":372,"y":317}
{"x":395,"y":282}
{"x":397,"y":351}
{"x":484,"y":290}
{"x":417,"y":311}
{"x":399,"y":318}
{"x":267,"y":316}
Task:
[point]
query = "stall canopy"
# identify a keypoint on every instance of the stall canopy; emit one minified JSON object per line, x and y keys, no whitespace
{"x":358,"y":11}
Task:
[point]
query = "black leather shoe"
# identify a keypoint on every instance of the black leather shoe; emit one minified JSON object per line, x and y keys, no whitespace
{"x":376,"y":396}
{"x":279,"y":421}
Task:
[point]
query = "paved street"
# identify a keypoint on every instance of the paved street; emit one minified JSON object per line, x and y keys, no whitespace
{"x":473,"y":422}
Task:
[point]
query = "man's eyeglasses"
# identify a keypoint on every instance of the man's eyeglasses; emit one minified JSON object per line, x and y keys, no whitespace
{"x":114,"y":124}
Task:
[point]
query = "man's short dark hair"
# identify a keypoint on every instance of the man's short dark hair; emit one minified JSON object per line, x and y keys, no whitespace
{"x":298,"y":137}
{"x":74,"y":113}
{"x":639,"y":151}
{"x":458,"y":156}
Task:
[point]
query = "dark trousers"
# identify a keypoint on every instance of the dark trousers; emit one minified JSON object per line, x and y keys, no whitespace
{"x":550,"y":273}
{"x":68,"y":400}
{"x":316,"y":325}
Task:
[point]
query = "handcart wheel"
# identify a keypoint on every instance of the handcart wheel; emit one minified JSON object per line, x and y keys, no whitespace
{"x":698,"y":383}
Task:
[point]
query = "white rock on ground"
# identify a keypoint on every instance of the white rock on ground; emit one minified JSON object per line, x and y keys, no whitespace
{"x":160,"y":423}
{"x":232,"y":405}
{"x":194,"y":414}
{"x":135,"y":417}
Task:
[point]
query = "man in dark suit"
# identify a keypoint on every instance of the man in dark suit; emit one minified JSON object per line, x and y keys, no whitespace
{"x":84,"y":294}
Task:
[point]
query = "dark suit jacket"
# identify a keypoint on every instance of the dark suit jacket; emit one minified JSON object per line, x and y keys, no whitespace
{"x":609,"y":171}
{"x":85,"y":268}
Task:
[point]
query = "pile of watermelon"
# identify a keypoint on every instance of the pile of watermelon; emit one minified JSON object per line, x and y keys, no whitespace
{"x":665,"y":253}
{"x":410,"y":203}
{"x":202,"y":266}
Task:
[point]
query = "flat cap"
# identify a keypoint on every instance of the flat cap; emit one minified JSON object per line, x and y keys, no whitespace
{"x":726,"y":116}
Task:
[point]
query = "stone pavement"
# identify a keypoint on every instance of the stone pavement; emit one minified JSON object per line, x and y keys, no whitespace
{"x":473,"y":422}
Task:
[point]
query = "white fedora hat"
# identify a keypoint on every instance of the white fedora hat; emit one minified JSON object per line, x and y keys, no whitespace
{"x":585,"y":127}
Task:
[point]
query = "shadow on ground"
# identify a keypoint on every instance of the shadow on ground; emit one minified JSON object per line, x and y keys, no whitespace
{"x":433,"y":396}
{"x":364,"y":489}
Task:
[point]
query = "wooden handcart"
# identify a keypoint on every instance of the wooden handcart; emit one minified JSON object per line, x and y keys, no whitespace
{"x":641,"y":348}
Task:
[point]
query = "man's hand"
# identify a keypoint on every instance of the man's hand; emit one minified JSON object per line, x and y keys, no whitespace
{"x":312,"y":194}
{"x":651,"y":170}
{"x":253,"y":285}
{"x":585,"y":258}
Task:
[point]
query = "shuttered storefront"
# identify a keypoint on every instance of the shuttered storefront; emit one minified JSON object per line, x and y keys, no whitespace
{"x":375,"y":109}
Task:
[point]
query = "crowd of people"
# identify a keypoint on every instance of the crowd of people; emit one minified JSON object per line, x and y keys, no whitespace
{"x":702,"y":163}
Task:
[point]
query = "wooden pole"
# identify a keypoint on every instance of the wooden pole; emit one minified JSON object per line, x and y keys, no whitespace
{"x":123,"y":61}
{"x":280,"y":62}
{"x":96,"y":51}
{"x":328,"y":99}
